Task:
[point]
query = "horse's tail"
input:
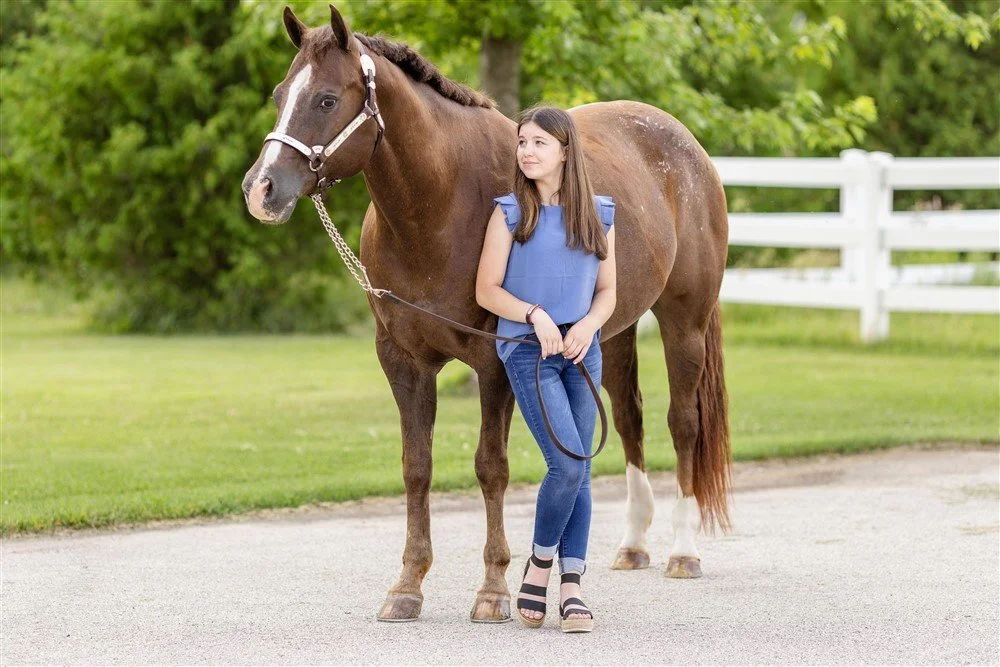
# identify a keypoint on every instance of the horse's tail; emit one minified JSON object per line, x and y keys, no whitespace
{"x":712,"y":450}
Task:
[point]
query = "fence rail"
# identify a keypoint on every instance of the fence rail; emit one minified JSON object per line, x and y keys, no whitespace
{"x":866,"y":231}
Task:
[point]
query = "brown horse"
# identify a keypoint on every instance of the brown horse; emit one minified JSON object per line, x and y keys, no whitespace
{"x":445,"y":153}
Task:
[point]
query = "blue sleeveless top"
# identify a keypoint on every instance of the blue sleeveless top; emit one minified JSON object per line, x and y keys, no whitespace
{"x":545,"y":270}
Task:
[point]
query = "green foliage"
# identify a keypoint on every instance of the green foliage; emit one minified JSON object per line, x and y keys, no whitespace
{"x":16,"y":18}
{"x":128,"y":126}
{"x":932,"y":71}
{"x":933,"y":18}
{"x":127,"y":130}
{"x":678,"y":57}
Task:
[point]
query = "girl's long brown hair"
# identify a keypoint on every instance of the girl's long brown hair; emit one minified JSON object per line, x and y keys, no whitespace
{"x":583,"y":226}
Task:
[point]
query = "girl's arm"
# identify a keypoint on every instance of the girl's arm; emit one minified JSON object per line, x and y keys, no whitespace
{"x":493,"y":297}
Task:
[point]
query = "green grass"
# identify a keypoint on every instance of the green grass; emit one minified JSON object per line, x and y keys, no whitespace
{"x":100,"y":430}
{"x":909,"y":333}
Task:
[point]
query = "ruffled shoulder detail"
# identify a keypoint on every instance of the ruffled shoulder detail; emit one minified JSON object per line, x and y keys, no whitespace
{"x":606,"y":211}
{"x":508,"y":203}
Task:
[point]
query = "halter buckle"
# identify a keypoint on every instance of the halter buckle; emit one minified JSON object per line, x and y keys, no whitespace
{"x":367,"y":65}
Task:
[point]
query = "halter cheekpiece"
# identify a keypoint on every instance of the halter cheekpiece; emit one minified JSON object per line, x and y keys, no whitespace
{"x":317,"y":155}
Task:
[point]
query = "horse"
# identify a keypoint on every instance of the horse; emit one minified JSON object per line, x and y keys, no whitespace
{"x":433,"y":154}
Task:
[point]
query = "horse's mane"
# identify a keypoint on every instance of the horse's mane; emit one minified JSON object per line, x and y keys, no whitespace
{"x":412,"y":63}
{"x":420,"y":69}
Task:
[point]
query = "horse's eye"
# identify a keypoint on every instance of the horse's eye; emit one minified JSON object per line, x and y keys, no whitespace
{"x":328,"y":102}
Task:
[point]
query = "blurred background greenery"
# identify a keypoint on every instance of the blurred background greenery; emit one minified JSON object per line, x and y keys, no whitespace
{"x":125,"y":131}
{"x":127,"y":126}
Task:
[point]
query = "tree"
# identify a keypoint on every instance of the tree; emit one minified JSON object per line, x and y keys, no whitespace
{"x":127,"y":130}
{"x":931,"y":74}
{"x":672,"y":55}
{"x":127,"y":127}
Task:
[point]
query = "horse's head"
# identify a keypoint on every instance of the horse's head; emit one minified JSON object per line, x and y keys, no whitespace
{"x":324,"y":90}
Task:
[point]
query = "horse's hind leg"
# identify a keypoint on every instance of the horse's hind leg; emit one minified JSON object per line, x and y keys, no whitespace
{"x":621,"y":379}
{"x":415,"y":391}
{"x":497,"y":403}
{"x":698,"y":424}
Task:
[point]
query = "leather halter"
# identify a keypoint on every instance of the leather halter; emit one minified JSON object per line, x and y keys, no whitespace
{"x":317,"y":155}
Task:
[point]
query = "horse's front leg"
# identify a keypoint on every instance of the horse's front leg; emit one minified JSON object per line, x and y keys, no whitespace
{"x":413,"y":386}
{"x":497,"y":403}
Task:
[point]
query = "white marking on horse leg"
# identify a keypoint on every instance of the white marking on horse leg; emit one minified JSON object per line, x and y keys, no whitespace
{"x":300,"y":81}
{"x":638,"y":509}
{"x":686,"y":520}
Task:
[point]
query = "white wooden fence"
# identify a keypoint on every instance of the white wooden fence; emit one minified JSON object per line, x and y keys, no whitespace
{"x":866,"y":230}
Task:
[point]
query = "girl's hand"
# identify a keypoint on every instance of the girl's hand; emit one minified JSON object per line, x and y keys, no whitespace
{"x":578,"y":340}
{"x":547,"y":332}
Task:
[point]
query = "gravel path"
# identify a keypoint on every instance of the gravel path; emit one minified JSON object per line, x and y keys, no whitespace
{"x":891,"y":557}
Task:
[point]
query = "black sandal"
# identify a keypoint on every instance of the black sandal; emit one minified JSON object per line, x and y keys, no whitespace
{"x":531,"y":589}
{"x":574,"y":606}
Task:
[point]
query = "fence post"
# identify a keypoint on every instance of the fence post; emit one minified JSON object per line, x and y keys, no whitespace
{"x":852,"y":208}
{"x":876,"y":262}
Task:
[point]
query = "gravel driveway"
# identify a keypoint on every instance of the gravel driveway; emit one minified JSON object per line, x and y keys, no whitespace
{"x":889,"y":557}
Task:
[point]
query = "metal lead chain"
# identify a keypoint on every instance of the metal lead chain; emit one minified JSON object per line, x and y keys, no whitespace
{"x":353,"y":264}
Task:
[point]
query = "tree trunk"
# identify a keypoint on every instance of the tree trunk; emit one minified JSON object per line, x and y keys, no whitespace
{"x":500,"y":73}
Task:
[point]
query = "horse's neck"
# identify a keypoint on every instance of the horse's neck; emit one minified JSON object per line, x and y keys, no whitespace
{"x":411,"y":178}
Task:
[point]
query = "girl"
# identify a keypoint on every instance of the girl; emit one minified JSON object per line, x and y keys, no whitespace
{"x":548,"y":271}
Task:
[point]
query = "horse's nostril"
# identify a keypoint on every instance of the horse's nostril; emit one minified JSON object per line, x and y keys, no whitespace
{"x":259,"y":191}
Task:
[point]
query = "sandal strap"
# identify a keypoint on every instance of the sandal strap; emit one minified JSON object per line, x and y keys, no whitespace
{"x":541,"y":564}
{"x":532,"y":605}
{"x":574,"y":606}
{"x":531,"y":589}
{"x":571,"y":578}
{"x":544,"y":564}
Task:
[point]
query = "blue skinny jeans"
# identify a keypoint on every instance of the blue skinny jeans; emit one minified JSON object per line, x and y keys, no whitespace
{"x":562,"y":513}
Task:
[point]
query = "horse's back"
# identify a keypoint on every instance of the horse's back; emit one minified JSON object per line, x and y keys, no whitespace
{"x":671,"y":220}
{"x":647,"y":151}
{"x":645,"y":125}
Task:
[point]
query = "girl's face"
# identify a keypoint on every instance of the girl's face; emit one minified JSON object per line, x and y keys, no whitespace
{"x":539,"y":155}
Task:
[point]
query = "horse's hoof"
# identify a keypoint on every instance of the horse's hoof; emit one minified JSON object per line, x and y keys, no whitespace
{"x":491,"y":608}
{"x":401,"y":607}
{"x":631,"y":559}
{"x":683,"y":567}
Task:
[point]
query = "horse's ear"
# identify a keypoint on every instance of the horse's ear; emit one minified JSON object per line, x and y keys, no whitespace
{"x":294,"y":26}
{"x":340,"y":31}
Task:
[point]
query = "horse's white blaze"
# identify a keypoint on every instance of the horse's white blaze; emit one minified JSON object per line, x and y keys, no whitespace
{"x":686,"y":520}
{"x":638,"y":508}
{"x":300,"y":81}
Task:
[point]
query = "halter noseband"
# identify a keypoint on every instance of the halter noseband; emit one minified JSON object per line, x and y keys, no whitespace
{"x":317,"y":155}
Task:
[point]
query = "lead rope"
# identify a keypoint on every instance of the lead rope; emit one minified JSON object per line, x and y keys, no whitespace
{"x":357,"y":270}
